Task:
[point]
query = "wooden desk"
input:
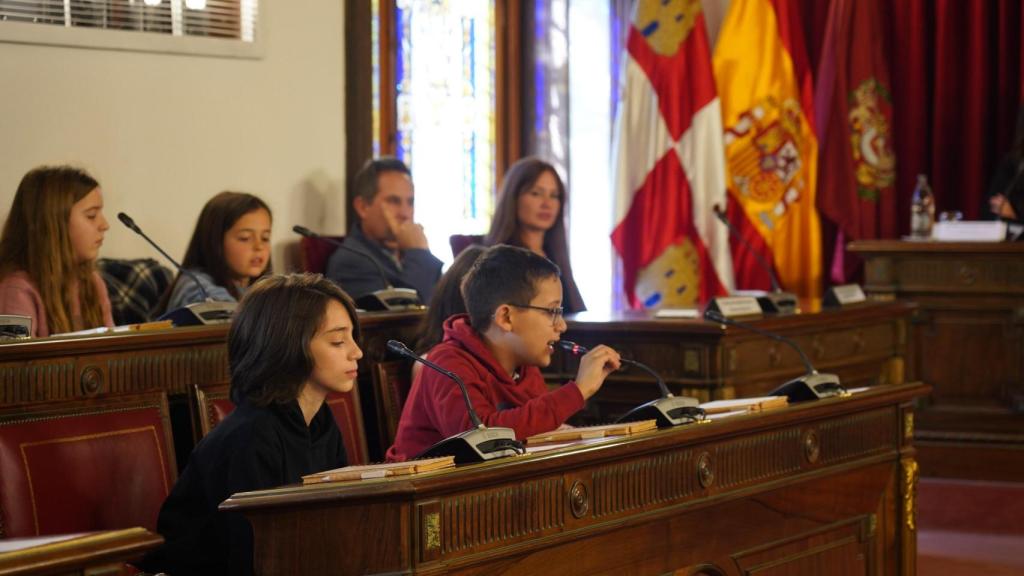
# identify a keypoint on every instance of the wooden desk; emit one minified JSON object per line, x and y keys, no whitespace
{"x":825,"y":487}
{"x":170,"y":360}
{"x":864,"y":345}
{"x":94,"y":554}
{"x":967,"y":342}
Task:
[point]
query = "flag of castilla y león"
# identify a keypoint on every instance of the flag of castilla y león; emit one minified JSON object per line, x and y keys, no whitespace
{"x":669,"y":163}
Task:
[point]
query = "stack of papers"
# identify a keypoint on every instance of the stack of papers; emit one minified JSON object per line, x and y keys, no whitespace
{"x":367,"y":471}
{"x":745,"y":404}
{"x":587,"y":432}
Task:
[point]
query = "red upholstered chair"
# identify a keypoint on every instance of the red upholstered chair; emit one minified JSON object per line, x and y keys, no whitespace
{"x":392,"y":381}
{"x":314,"y":253}
{"x":460,"y":242}
{"x":213,"y":405}
{"x":102,"y":463}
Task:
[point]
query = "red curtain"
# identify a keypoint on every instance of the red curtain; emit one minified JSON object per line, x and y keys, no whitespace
{"x":957,"y":72}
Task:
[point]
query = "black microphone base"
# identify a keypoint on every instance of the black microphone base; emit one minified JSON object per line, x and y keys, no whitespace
{"x":477,"y":445}
{"x":201,"y":313}
{"x":668,"y":412}
{"x":390,"y":299}
{"x":813,"y":386}
{"x":777,"y":303}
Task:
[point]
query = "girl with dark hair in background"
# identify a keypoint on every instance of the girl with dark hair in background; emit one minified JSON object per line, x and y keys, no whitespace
{"x":48,"y":252}
{"x":531,"y":214}
{"x":229,"y":249}
{"x":293,"y":340}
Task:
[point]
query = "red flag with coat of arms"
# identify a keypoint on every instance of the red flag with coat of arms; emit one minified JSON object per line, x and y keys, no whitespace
{"x":668,"y":162}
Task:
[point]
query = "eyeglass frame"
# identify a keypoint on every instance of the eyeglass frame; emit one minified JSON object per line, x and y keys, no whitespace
{"x":555,"y":312}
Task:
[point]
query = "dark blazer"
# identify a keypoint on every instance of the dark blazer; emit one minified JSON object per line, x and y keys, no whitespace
{"x":417,"y":269}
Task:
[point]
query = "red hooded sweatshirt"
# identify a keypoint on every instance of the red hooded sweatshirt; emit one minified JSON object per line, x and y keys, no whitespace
{"x":435,"y":409}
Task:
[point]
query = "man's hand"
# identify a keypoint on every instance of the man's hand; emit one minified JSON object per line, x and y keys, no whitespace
{"x":407,"y":234}
{"x":595,"y":366}
{"x":1001,"y":207}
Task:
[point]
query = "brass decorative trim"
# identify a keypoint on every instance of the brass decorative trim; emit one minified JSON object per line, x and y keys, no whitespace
{"x":432,"y":531}
{"x":908,"y":425}
{"x":812,"y":446}
{"x":705,"y":470}
{"x":579,"y":499}
{"x":910,"y":493}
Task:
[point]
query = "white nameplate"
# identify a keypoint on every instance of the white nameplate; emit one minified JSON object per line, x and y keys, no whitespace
{"x":845,"y":295}
{"x":970,"y":231}
{"x":736,"y":306}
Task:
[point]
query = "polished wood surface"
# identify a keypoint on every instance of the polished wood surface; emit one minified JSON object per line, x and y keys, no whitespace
{"x":865,"y":345}
{"x":94,"y":554}
{"x":173,"y":360}
{"x":967,"y":342}
{"x":820,"y":488}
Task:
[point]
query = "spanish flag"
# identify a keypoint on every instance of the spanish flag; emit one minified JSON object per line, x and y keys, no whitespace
{"x":771,"y":152}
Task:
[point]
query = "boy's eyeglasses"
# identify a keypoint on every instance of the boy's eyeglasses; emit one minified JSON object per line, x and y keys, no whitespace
{"x":555,"y":313}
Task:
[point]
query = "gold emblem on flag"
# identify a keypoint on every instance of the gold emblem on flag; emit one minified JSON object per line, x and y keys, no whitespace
{"x":672,"y":280}
{"x":873,"y":159}
{"x":764,"y":157}
{"x":666,"y":23}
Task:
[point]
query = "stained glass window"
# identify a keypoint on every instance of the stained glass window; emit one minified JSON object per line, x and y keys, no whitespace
{"x":445,"y":108}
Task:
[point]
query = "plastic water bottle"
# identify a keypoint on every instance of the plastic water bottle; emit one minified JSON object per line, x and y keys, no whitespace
{"x":922,"y":209}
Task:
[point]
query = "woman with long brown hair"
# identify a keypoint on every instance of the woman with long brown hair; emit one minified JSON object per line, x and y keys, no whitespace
{"x":48,"y":252}
{"x":531,"y":214}
{"x":229,"y":250}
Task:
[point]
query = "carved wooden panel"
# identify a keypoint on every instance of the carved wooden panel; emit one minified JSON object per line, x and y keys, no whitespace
{"x":504,"y":515}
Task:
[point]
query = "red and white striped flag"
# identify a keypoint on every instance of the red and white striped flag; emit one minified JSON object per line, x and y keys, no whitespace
{"x":669,"y":162}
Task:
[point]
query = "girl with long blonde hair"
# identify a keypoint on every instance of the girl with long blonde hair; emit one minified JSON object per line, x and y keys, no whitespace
{"x":48,"y":252}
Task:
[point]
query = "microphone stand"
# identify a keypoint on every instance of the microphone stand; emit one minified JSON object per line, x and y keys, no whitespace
{"x":668,"y":411}
{"x":477,"y":444}
{"x":390,"y":298}
{"x":775,"y":302}
{"x":813,"y":385}
{"x":209,"y":311}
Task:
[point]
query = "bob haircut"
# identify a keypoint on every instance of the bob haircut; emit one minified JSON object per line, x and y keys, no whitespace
{"x":36,"y":239}
{"x":503,"y":275}
{"x":519,"y":179}
{"x":447,"y":299}
{"x":206,"y":248}
{"x":268,"y":344}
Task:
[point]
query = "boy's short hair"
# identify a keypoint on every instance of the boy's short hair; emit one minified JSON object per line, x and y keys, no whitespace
{"x":503,"y":275}
{"x":268,"y":344}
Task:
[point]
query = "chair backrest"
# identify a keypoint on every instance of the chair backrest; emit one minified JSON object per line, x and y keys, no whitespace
{"x":392,"y":381}
{"x":460,"y":242}
{"x":314,"y":253}
{"x":135,"y":288}
{"x":213,"y":404}
{"x":102,"y":463}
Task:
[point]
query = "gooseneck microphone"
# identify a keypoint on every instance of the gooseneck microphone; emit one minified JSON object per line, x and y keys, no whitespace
{"x":669,"y":410}
{"x":390,"y":298}
{"x":208,"y":311}
{"x":813,"y":385}
{"x":127,"y":221}
{"x":476,"y":444}
{"x":777,"y":301}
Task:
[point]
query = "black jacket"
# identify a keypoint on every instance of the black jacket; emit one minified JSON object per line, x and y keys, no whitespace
{"x":252,"y":449}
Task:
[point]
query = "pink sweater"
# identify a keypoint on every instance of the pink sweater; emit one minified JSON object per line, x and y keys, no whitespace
{"x":19,"y":295}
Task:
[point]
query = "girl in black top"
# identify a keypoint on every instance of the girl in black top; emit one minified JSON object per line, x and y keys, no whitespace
{"x":292,"y":341}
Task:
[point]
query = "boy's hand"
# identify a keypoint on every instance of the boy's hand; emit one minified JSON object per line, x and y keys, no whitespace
{"x":595,"y":366}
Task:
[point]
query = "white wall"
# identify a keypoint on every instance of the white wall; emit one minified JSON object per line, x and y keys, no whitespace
{"x":165,"y":132}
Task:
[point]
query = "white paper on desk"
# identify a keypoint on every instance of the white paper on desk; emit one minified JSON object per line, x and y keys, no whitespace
{"x":691,"y":313}
{"x":574,"y":443}
{"x":721,"y":415}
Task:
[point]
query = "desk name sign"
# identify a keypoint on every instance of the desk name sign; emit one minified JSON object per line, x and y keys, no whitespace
{"x":844,"y":295}
{"x":736,"y":306}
